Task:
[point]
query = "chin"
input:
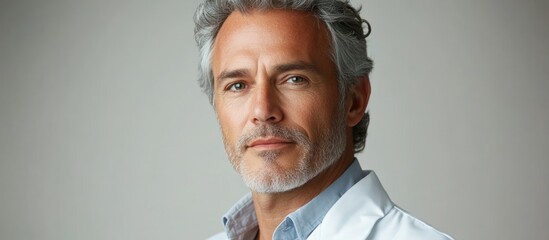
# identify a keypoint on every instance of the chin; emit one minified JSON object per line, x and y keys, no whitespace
{"x":272,"y":177}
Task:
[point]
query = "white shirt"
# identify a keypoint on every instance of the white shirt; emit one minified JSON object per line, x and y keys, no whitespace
{"x":355,"y":206}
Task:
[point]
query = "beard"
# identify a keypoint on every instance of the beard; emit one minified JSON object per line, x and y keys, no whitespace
{"x":315,"y":157}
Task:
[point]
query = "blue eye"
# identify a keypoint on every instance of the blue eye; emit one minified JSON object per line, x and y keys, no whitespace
{"x":296,"y":79}
{"x":237,"y":86}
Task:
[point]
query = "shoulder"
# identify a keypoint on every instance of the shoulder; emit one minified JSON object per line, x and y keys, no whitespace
{"x":219,"y":236}
{"x":401,"y":225}
{"x":366,"y":211}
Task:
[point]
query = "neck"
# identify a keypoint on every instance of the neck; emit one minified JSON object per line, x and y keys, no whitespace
{"x":272,"y":208}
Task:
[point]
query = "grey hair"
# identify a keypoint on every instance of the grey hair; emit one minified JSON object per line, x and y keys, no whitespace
{"x":342,"y":21}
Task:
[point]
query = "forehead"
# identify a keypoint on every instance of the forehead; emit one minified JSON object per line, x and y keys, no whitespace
{"x":290,"y":21}
{"x":272,"y":34}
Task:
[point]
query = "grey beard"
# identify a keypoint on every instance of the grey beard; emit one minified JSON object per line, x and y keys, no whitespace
{"x":316,"y":157}
{"x":269,"y":156}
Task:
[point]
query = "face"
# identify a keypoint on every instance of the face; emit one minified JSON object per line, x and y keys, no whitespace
{"x":276,"y":98}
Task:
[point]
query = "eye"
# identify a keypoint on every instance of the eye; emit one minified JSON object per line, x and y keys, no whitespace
{"x":296,"y":80}
{"x":235,"y":87}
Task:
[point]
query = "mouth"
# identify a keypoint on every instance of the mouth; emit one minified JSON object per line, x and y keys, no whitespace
{"x":271,"y":143}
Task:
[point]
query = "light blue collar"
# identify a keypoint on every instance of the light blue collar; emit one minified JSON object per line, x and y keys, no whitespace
{"x":241,"y":223}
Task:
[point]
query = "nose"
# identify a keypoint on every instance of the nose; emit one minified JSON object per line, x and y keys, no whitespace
{"x":266,"y":105}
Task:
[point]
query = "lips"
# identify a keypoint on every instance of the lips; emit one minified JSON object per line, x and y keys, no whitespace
{"x":269,"y":143}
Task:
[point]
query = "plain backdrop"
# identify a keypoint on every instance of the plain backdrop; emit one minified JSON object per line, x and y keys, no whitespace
{"x":105,"y":134}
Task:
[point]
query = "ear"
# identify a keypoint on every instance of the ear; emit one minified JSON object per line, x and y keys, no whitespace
{"x":357,"y":101}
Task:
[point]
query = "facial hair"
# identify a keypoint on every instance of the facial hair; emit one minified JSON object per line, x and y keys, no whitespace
{"x":315,"y":158}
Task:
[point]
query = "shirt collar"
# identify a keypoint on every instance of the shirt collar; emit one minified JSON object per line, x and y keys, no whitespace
{"x":241,"y":223}
{"x":308,"y":217}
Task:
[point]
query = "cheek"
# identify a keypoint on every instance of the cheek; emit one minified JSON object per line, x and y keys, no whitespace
{"x":322,"y":114}
{"x":311,"y":115}
{"x":230,"y":120}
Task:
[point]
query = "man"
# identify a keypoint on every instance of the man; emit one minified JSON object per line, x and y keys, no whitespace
{"x":289,"y":84}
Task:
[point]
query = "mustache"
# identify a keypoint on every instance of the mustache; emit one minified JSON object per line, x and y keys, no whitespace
{"x":270,"y":130}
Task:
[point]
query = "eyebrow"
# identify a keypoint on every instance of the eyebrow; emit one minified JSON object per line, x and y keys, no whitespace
{"x":300,"y":65}
{"x":237,"y":73}
{"x":240,"y":73}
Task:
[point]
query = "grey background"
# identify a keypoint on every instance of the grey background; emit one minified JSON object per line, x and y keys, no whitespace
{"x":104,"y":133}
